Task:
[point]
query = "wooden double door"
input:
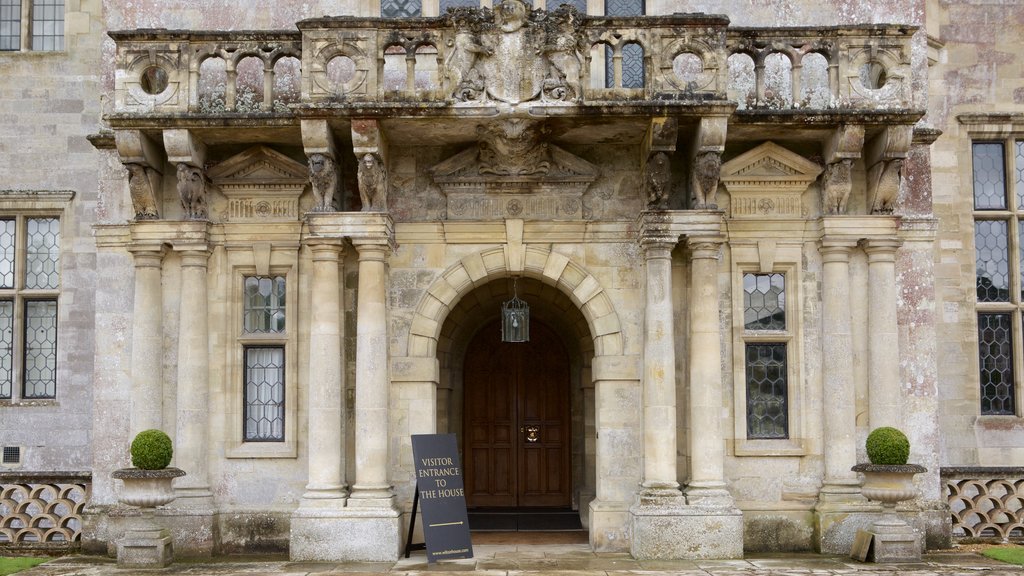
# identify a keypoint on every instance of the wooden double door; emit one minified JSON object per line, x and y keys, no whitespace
{"x":517,"y":420}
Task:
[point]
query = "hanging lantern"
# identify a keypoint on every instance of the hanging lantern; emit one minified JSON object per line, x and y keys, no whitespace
{"x":515,"y":318}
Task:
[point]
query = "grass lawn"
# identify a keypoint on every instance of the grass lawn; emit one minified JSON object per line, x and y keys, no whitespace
{"x":12,"y":565}
{"x":1010,"y":554}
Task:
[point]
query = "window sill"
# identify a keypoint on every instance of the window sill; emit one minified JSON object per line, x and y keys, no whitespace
{"x":29,"y":403}
{"x":263,"y":450}
{"x":999,"y":423}
{"x":787,"y":447}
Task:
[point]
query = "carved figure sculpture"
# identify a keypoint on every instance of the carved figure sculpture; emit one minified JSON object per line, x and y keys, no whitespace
{"x":510,"y":15}
{"x":466,"y":78}
{"x":513,"y":147}
{"x":141,"y":188}
{"x":707,"y":167}
{"x":884,"y":180}
{"x":323,"y":177}
{"x":564,"y":56}
{"x":657,"y":181}
{"x":192,"y":190}
{"x":373,"y":184}
{"x":836,"y":184}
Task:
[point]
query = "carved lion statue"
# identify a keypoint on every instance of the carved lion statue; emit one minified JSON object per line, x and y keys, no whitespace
{"x":323,"y":176}
{"x":373,"y":183}
{"x":657,"y":179}
{"x":707,"y":167}
{"x":836,"y":186}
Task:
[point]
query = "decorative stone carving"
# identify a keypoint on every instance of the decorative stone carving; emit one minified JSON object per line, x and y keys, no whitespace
{"x":323,"y":176}
{"x":512,"y":54}
{"x":768,"y":182}
{"x":147,"y":544}
{"x":513,"y":147}
{"x":704,"y":180}
{"x":658,"y":181}
{"x":192,"y":190}
{"x":140,"y":184}
{"x":261,"y":185}
{"x":884,"y":185}
{"x":835,"y":187}
{"x":373,"y":184}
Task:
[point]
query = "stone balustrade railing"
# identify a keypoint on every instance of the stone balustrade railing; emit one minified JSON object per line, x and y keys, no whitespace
{"x":42,"y":510}
{"x":474,"y":57}
{"x":986,"y":503}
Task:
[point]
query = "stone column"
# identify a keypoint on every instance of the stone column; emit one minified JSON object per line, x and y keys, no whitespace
{"x":326,"y":485}
{"x":883,"y":335}
{"x":147,"y":340}
{"x":193,"y":397}
{"x":707,"y":445}
{"x":371,"y":487}
{"x":840,"y":438}
{"x":659,"y":387}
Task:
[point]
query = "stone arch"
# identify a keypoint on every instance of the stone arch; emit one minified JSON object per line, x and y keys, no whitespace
{"x":539,"y":263}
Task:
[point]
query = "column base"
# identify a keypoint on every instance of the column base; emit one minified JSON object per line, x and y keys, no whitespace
{"x":145,"y":548}
{"x":710,"y":494}
{"x":672,"y":530}
{"x":360,"y":534}
{"x":328,"y":497}
{"x":836,"y":523}
{"x":610,"y":525}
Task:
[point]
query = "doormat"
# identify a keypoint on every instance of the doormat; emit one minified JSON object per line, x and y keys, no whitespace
{"x":521,"y":520}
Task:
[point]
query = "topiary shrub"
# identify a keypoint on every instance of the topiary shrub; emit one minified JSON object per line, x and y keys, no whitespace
{"x":151,"y":450}
{"x":888,"y":446}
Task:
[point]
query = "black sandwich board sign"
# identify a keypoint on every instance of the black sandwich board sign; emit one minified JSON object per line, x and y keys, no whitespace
{"x":439,"y":489}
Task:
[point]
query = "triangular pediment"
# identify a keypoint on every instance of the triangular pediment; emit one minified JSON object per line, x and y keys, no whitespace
{"x":259,"y":164}
{"x":772,"y":165}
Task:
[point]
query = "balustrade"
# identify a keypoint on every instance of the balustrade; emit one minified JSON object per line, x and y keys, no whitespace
{"x":986,"y":503}
{"x":42,"y":510}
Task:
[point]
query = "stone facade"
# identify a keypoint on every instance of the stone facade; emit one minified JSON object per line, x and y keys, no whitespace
{"x":396,"y":175}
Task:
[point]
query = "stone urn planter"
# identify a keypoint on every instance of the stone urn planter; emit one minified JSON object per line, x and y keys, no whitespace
{"x":890,"y":539}
{"x":147,"y":545}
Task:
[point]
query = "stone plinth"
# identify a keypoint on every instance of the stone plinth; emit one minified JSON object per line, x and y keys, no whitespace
{"x":146,"y":545}
{"x":890,"y":538}
{"x":681,"y":532}
{"x":348,"y":534}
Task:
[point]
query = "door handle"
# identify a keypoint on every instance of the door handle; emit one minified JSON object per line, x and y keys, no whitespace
{"x":532,"y":434}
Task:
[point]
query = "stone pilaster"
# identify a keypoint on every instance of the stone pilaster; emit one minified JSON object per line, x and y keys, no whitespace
{"x":659,"y":385}
{"x":707,"y":445}
{"x":193,"y":398}
{"x":326,"y":483}
{"x":147,"y":340}
{"x":883,"y":334}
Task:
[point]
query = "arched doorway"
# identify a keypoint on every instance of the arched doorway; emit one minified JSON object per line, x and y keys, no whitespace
{"x":517,"y":420}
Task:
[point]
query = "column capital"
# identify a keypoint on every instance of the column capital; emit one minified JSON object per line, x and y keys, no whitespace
{"x":148,"y":255}
{"x":836,"y":249}
{"x":326,"y":249}
{"x":657,"y":248}
{"x":370,"y":250}
{"x":881,"y":249}
{"x":705,"y":247}
{"x":195,"y":256}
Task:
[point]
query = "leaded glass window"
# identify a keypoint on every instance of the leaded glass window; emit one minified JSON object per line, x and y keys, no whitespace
{"x":10,"y":24}
{"x":767,"y":391}
{"x":580,"y":5}
{"x":264,"y":394}
{"x":264,"y":304}
{"x":401,"y":8}
{"x":764,"y":301}
{"x":446,"y":4}
{"x":632,"y":54}
{"x":48,"y":25}
{"x":29,"y":289}
{"x":998,"y":192}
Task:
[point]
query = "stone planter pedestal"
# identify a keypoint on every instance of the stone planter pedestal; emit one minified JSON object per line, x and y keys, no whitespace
{"x":147,"y":545}
{"x":890,"y":539}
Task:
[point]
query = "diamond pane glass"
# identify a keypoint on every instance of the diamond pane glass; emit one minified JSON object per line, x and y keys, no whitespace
{"x":264,"y":304}
{"x":10,"y":24}
{"x":632,"y":66}
{"x":7,"y":253}
{"x":624,"y":7}
{"x":991,"y":260}
{"x":1018,"y":158}
{"x":48,"y":25}
{"x":989,"y":176}
{"x":6,"y":348}
{"x":764,"y":301}
{"x":580,"y":5}
{"x":401,"y":8}
{"x":446,"y":4}
{"x":41,"y":349}
{"x":767,"y":391}
{"x":43,"y":254}
{"x":995,"y":355}
{"x":264,"y":394}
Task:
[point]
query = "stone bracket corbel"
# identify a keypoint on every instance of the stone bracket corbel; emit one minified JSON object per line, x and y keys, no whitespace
{"x":188,"y":153}
{"x":324,"y":163}
{"x":842,"y":149}
{"x":371,"y":151}
{"x":884,"y":156}
{"x":656,"y":161}
{"x":143,"y":159}
{"x":706,"y":161}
